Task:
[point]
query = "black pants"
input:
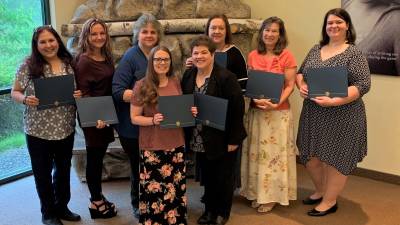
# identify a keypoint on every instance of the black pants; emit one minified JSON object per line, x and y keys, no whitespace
{"x":94,"y":170}
{"x":47,"y":156}
{"x":131,"y":147}
{"x":219,"y":182}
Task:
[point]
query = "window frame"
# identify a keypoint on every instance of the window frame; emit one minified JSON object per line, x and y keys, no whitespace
{"x":45,"y":5}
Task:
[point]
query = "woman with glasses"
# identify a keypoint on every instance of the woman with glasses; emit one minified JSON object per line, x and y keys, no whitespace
{"x":147,"y":33}
{"x":49,"y":132}
{"x":162,"y":198}
{"x":94,"y":69}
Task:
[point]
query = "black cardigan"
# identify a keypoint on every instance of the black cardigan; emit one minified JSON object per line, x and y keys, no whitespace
{"x":222,"y":84}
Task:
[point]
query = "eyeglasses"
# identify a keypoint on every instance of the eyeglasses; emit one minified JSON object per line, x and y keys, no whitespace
{"x":159,"y":60}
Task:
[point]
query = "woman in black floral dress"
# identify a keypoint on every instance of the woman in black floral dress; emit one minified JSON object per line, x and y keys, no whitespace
{"x":332,"y":136}
{"x":162,"y":198}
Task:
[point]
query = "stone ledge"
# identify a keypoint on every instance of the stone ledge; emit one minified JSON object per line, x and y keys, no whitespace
{"x":175,"y":26}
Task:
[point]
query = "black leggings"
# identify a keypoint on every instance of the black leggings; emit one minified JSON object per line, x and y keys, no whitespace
{"x":94,"y":169}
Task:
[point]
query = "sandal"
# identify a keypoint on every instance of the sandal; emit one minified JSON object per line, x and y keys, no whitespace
{"x":255,"y":204}
{"x":104,"y":209}
{"x":263,"y":208}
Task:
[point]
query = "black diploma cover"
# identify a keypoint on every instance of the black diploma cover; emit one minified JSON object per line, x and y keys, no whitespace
{"x":211,"y":111}
{"x":264,"y":85}
{"x":176,"y":111}
{"x":54,"y":91}
{"x":327,"y":81}
{"x":91,"y":109}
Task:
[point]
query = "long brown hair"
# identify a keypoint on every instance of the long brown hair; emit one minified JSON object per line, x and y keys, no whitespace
{"x":148,"y":94}
{"x":282,"y":41}
{"x":84,"y":45}
{"x":36,"y":61}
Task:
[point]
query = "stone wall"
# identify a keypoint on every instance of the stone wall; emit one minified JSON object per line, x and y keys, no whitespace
{"x":181,"y":19}
{"x":128,"y":10}
{"x":178,"y":36}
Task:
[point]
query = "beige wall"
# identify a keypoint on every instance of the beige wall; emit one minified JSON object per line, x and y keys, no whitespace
{"x":62,"y":11}
{"x":303,"y":19}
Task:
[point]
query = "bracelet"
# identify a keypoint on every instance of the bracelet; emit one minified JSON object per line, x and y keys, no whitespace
{"x":152,"y":120}
{"x":24,"y":100}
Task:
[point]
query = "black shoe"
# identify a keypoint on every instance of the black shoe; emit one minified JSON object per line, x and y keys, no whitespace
{"x":315,"y":212}
{"x":103,"y":210}
{"x":68,"y":215}
{"x":310,"y":201}
{"x":52,"y":220}
{"x":136,"y":213}
{"x":206,"y":218}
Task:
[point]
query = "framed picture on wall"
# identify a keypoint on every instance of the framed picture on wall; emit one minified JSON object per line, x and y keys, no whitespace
{"x":378,"y":36}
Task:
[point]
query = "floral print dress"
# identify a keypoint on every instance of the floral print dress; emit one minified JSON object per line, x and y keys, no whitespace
{"x":162,"y":198}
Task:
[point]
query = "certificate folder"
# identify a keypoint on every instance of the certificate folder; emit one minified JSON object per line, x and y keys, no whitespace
{"x":221,"y":58}
{"x":327,"y":81}
{"x":264,"y":85}
{"x":211,"y":111}
{"x":54,"y":91}
{"x":91,"y":109}
{"x":176,"y":111}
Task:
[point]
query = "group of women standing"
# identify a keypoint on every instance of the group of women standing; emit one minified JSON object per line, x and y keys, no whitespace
{"x":331,"y":138}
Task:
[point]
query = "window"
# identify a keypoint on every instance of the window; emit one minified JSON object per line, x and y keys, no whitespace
{"x":17,"y":21}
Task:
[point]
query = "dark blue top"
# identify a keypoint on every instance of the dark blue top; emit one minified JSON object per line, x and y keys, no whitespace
{"x":131,"y":68}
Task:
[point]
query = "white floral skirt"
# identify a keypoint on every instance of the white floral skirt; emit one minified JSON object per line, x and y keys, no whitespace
{"x":268,"y":166}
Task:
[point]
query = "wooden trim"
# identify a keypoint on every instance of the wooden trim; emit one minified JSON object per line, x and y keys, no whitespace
{"x":376,"y":175}
{"x":372,"y":174}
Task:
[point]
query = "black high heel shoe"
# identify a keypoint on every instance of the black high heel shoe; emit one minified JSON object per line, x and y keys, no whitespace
{"x":103,"y":210}
{"x":315,"y":212}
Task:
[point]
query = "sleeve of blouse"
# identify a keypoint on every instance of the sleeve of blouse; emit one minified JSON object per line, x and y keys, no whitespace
{"x":123,"y":76}
{"x":239,"y":67}
{"x":82,"y":68}
{"x":359,"y":74}
{"x":290,"y":61}
{"x":135,"y":96}
{"x":21,"y":76}
{"x":250,"y":60}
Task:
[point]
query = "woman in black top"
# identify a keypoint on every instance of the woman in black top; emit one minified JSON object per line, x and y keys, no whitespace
{"x":216,"y":149}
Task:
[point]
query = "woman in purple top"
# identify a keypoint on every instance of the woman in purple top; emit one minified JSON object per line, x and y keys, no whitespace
{"x":94,"y":70}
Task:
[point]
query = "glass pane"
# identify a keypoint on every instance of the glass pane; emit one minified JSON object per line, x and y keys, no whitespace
{"x":14,"y":157}
{"x":17,"y":21}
